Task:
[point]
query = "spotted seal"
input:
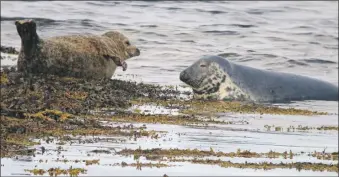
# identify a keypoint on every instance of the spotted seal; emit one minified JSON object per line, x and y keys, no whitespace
{"x":88,"y":56}
{"x":214,"y":77}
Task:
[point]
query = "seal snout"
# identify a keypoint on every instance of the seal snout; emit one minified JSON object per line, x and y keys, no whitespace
{"x":184,"y":76}
{"x":137,"y":52}
{"x":134,"y":52}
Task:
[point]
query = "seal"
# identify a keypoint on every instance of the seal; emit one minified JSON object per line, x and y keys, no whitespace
{"x":214,"y":77}
{"x":86,"y":56}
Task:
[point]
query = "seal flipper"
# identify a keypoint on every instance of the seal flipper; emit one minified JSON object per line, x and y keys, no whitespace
{"x":29,"y":37}
{"x":29,"y":45}
{"x":117,"y":61}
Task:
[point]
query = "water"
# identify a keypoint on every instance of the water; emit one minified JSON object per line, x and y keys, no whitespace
{"x":297,"y":37}
{"x":293,"y":36}
{"x":226,"y":138}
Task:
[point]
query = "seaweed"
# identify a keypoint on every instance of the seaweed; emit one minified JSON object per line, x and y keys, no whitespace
{"x":265,"y":165}
{"x":73,"y":172}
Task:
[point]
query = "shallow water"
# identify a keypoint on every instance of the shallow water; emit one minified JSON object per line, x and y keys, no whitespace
{"x":226,"y":138}
{"x":297,"y":37}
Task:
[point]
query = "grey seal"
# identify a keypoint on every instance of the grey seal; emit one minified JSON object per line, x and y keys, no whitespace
{"x":87,"y":55}
{"x":214,"y":77}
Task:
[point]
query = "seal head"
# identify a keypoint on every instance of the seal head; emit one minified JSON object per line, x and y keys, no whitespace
{"x":206,"y":76}
{"x":123,"y":44}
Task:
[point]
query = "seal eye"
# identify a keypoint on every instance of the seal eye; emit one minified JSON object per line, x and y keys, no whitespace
{"x":127,"y":43}
{"x":202,"y":65}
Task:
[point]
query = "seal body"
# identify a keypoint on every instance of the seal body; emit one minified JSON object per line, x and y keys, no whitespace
{"x":89,"y":56}
{"x":214,"y":77}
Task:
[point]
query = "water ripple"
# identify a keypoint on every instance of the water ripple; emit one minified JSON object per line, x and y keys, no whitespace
{"x":283,"y":34}
{"x":222,"y":32}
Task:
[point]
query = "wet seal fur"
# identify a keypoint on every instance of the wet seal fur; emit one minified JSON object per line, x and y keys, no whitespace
{"x":86,"y":56}
{"x":214,"y":77}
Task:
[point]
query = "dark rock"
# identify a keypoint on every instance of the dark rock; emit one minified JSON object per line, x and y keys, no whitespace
{"x":75,"y":96}
{"x":10,"y":50}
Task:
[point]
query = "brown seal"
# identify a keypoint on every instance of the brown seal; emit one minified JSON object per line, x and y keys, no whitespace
{"x":87,"y":56}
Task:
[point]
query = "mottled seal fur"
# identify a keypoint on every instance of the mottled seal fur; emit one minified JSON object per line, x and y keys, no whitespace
{"x":214,"y":77}
{"x":87,"y":56}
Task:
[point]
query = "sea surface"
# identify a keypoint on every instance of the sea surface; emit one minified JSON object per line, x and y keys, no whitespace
{"x":289,"y":36}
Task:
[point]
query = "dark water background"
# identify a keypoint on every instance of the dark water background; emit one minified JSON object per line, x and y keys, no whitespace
{"x":291,"y":36}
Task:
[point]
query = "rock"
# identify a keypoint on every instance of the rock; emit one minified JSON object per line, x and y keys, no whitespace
{"x":9,"y":50}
